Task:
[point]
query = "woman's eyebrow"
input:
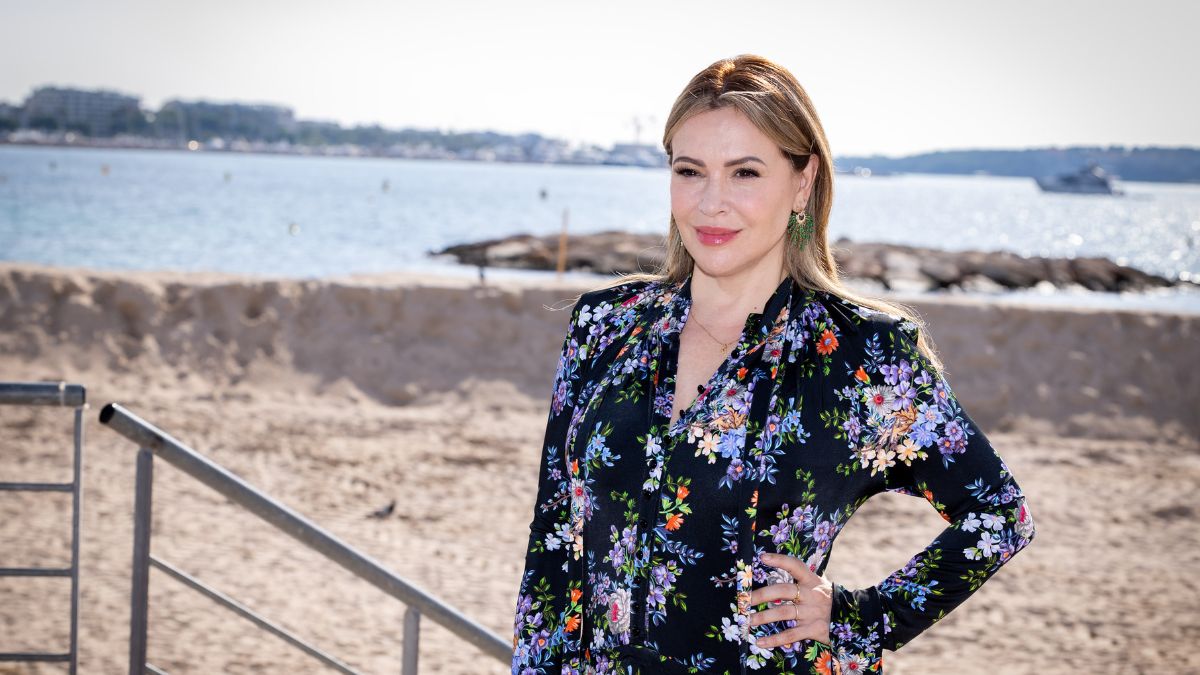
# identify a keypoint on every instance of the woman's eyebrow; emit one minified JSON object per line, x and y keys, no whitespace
{"x":732,"y":162}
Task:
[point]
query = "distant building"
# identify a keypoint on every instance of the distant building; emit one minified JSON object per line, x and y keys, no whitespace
{"x":202,"y":121}
{"x":10,"y":117}
{"x":637,"y":154}
{"x":94,"y":113}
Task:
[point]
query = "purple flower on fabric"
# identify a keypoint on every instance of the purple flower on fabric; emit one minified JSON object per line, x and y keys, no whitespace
{"x":890,"y":373}
{"x":780,"y":532}
{"x":822,"y":532}
{"x":853,"y":428}
{"x":954,"y":429}
{"x":923,"y":378}
{"x":905,"y":395}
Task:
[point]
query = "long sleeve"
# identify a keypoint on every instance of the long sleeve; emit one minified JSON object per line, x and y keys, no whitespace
{"x":927,"y":446}
{"x":546,"y":625}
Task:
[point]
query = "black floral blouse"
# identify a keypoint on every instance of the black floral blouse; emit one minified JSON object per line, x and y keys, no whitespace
{"x":646,"y":536}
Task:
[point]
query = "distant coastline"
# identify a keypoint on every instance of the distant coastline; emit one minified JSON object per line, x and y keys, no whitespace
{"x":55,"y":116}
{"x":1151,"y":165}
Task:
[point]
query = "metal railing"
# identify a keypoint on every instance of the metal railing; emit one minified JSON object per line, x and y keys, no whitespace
{"x":152,"y":441}
{"x":58,"y":394}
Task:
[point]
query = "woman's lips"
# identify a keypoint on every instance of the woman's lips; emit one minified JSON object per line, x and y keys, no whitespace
{"x":715,"y":236}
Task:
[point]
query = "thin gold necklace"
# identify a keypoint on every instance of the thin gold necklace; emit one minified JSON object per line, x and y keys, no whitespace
{"x":724,"y":345}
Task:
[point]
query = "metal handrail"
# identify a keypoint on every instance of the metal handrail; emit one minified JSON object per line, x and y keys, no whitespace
{"x":153,"y":441}
{"x":57,"y":394}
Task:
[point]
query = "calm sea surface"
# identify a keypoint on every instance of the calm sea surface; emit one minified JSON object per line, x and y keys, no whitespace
{"x":316,"y":216}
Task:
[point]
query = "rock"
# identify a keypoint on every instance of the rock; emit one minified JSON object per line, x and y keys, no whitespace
{"x":891,"y":266}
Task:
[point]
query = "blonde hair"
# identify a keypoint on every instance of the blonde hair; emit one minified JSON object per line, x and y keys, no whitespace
{"x":777,"y":104}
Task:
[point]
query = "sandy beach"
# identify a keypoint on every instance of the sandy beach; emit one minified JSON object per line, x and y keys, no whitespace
{"x":338,"y":396}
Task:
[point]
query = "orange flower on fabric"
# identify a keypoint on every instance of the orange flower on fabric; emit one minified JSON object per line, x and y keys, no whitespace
{"x":827,"y":343}
{"x":575,"y":595}
{"x":862,"y":376}
{"x":572,"y":623}
{"x":682,"y":492}
{"x":674,"y":521}
{"x":825,"y":664}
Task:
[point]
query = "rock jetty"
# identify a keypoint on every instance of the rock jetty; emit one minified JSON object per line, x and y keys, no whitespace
{"x":893,"y":266}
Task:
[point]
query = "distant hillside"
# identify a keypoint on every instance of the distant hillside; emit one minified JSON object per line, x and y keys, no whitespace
{"x":1177,"y":165}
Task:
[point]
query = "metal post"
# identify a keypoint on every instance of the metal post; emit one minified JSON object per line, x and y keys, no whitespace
{"x":138,"y":616}
{"x":412,"y":634}
{"x":75,"y":510}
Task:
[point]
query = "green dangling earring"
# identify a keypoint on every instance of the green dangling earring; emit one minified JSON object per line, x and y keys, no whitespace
{"x":800,"y":225}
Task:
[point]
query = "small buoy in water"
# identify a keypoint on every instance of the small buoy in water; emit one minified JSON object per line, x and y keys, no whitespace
{"x":543,"y":194}
{"x":386,"y":185}
{"x":104,"y":169}
{"x":293,"y":229}
{"x":228,"y":176}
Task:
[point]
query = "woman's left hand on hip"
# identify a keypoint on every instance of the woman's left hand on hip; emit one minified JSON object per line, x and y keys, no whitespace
{"x":808,"y":600}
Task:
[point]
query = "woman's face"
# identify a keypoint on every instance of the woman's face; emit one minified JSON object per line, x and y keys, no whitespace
{"x":732,"y":192}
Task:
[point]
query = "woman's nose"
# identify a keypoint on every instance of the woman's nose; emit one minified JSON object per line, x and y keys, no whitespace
{"x":712,"y":198}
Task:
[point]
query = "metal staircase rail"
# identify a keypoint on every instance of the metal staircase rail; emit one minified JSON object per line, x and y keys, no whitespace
{"x":153,"y":441}
{"x":64,"y":395}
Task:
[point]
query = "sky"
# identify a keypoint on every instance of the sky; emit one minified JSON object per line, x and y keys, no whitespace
{"x":886,"y":77}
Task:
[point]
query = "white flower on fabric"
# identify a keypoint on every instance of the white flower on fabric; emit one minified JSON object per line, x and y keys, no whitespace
{"x":853,"y":663}
{"x":989,"y":544}
{"x":585,"y":314}
{"x":971,"y":522}
{"x":618,"y":610}
{"x":992,"y":521}
{"x":653,"y":445}
{"x":908,"y":451}
{"x":776,"y":575}
{"x":883,"y":460}
{"x":1024,"y":520}
{"x":880,"y":399}
{"x":730,"y":630}
{"x":866,"y":455}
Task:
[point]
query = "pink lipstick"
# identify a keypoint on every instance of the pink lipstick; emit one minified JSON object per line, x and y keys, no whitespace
{"x":715,"y":236}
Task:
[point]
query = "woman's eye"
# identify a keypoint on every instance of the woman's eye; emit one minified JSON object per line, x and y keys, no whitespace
{"x":748,"y":173}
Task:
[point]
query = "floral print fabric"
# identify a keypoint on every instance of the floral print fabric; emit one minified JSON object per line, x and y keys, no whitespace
{"x":646,"y":537}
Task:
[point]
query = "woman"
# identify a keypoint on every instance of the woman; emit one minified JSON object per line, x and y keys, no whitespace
{"x":714,"y":426}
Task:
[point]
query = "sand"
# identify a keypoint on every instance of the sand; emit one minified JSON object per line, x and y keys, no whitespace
{"x":338,"y":396}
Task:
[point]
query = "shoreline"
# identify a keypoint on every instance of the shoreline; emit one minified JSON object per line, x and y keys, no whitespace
{"x":1175,"y":300}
